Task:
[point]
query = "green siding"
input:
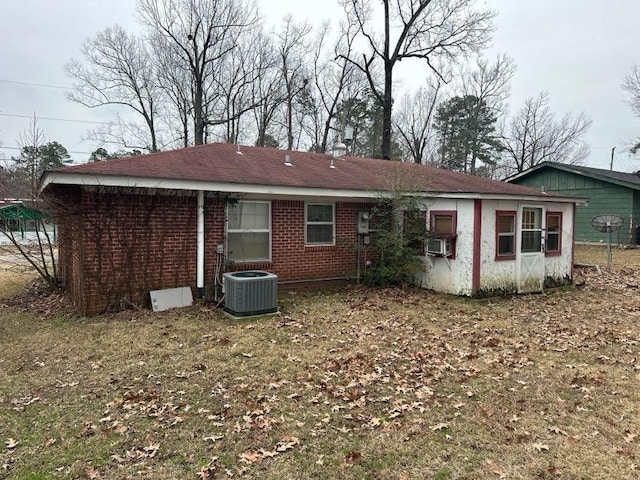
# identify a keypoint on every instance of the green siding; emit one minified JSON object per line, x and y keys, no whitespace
{"x":602,"y":198}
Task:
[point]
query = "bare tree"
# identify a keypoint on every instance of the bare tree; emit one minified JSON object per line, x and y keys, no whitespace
{"x":489,"y":84}
{"x":631,"y":85}
{"x":414,"y":29}
{"x":292,"y":48}
{"x":174,"y":79}
{"x":39,"y":251}
{"x":36,"y":155}
{"x":332,"y":77}
{"x":235,"y":78}
{"x":414,"y":120}
{"x":268,"y":91}
{"x":535,"y":136}
{"x":30,"y":141}
{"x":202,"y":33}
{"x":118,"y":70}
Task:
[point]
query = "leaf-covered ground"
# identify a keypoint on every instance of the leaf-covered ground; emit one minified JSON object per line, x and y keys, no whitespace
{"x":350,"y":384}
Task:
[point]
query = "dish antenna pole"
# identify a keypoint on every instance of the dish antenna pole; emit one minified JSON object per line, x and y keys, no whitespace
{"x":607,"y":224}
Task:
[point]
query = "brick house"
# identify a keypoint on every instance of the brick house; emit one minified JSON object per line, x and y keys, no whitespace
{"x":176,"y":218}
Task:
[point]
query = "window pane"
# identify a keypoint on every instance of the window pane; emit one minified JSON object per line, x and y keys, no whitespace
{"x":553,"y":233}
{"x":506,"y":245}
{"x":443,"y":224}
{"x":506,"y":223}
{"x":553,"y":242}
{"x":531,"y":218}
{"x":319,"y":213}
{"x":249,"y":216}
{"x":531,"y":241}
{"x":248,"y":246}
{"x":319,"y":233}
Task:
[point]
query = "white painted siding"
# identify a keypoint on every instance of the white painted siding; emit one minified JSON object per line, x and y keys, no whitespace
{"x":496,"y":275}
{"x":455,"y":275}
{"x":502,"y":275}
{"x":560,"y":266}
{"x":452,"y":275}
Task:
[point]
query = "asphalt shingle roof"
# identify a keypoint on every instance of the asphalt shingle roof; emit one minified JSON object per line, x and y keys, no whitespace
{"x":631,"y":180}
{"x":244,"y":165}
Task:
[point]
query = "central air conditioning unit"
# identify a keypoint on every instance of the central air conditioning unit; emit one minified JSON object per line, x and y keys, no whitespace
{"x":439,"y":246}
{"x":250,"y":292}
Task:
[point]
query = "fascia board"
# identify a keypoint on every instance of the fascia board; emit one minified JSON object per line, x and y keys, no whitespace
{"x":82,"y":179}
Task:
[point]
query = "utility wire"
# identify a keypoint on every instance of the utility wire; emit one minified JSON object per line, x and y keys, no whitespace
{"x":19,"y":148}
{"x":30,"y":84}
{"x":66,"y":120}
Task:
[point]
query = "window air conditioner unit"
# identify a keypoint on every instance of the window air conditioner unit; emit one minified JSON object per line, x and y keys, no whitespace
{"x":250,"y":292}
{"x":439,"y":246}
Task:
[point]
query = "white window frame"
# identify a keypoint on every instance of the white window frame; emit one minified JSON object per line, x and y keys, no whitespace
{"x":307,"y":223}
{"x":251,"y":230}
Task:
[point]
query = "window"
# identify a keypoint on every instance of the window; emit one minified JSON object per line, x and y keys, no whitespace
{"x":505,"y":235}
{"x":443,"y":225}
{"x":249,"y":231}
{"x":554,"y":233}
{"x":531,"y":235}
{"x":319,"y":226}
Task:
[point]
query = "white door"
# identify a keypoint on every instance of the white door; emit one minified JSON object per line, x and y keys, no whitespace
{"x":531,"y":261}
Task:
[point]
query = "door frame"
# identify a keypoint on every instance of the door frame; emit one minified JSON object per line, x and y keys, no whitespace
{"x":530,"y":266}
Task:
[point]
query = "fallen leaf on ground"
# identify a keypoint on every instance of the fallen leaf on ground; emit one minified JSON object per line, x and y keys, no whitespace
{"x":540,"y":447}
{"x":495,"y":468}
{"x":91,"y":473}
{"x":287,"y":443}
{"x":250,"y":457}
{"x":558,"y":430}
{"x":352,"y":456}
{"x":11,"y":444}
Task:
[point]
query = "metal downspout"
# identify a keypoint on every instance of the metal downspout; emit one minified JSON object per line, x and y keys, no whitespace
{"x":200,"y":241}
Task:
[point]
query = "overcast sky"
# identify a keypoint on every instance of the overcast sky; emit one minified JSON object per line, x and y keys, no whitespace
{"x":577,"y":50}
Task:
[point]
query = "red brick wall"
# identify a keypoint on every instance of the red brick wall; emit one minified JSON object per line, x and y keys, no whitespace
{"x":293,"y":261}
{"x":115,"y":247}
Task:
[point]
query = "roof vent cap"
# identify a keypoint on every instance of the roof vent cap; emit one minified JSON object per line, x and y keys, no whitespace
{"x":339,"y":150}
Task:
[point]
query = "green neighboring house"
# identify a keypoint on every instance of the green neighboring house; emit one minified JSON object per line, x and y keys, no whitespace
{"x":606,"y":192}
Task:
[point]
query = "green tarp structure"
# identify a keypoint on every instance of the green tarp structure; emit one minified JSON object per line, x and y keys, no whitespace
{"x":20,"y":217}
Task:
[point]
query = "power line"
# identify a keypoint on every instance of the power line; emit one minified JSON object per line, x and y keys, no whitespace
{"x":68,"y":151}
{"x":30,"y":84}
{"x":66,"y":120}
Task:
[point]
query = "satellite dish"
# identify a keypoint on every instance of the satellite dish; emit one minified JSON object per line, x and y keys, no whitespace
{"x":607,"y":223}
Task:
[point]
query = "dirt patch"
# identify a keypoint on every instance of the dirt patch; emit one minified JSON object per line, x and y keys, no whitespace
{"x":597,"y":255}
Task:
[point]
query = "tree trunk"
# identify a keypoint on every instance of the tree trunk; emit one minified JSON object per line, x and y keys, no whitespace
{"x":388,"y":88}
{"x":386,"y":111}
{"x":198,"y":134}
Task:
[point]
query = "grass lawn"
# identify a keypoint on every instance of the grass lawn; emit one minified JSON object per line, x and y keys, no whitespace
{"x":355,"y":383}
